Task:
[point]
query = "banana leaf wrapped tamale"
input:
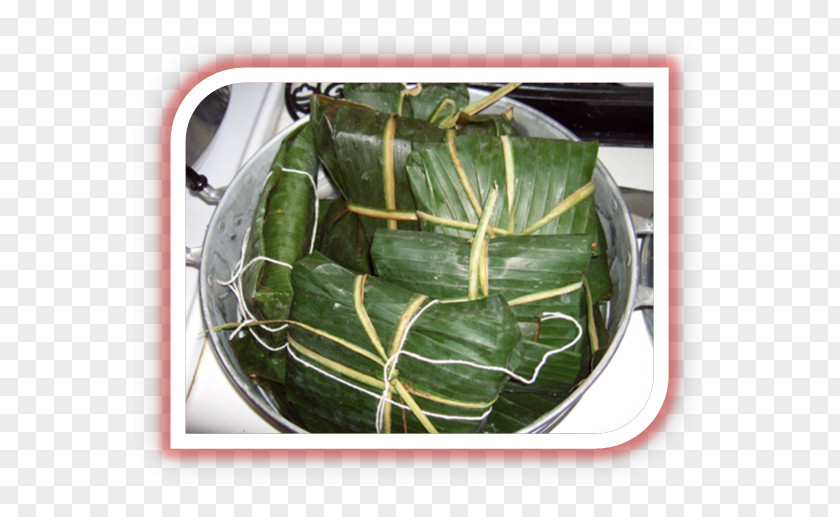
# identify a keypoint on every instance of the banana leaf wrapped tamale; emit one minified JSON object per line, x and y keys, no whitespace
{"x":364,"y":152}
{"x":537,"y":275}
{"x":546,"y":189}
{"x":364,"y":141}
{"x":534,"y":175}
{"x":420,"y":348}
{"x":545,"y":184}
{"x":443,"y":361}
{"x":280,"y":233}
{"x":341,"y":238}
{"x":540,"y":276}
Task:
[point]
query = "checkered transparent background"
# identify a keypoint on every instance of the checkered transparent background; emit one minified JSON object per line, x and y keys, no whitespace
{"x":753,"y":420}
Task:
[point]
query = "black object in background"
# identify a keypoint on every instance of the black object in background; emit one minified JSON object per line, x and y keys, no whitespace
{"x":611,"y":113}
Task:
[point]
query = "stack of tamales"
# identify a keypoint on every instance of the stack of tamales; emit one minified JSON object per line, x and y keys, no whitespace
{"x":454,"y":286}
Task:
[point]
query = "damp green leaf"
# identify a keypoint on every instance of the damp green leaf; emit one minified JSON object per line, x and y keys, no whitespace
{"x":349,"y":140}
{"x":281,"y":228}
{"x":483,"y":332}
{"x":547,"y":171}
{"x":517,"y":267}
{"x":341,"y":238}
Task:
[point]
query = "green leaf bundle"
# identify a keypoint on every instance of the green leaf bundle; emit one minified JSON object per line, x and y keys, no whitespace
{"x":280,"y":233}
{"x":364,"y":153}
{"x":430,"y":102}
{"x":446,"y":357}
{"x":534,"y":176}
{"x":341,"y":238}
{"x":489,"y":258}
{"x":537,"y":275}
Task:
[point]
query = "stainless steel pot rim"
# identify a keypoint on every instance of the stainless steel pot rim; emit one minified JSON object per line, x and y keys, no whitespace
{"x":261,"y":401}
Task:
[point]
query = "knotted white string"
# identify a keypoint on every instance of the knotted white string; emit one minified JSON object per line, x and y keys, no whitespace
{"x":376,"y":396}
{"x":315,"y":195}
{"x":235,"y":285}
{"x":391,"y":363}
{"x":235,"y":282}
{"x":550,"y":316}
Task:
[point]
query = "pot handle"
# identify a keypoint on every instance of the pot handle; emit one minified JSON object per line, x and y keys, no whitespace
{"x":640,"y":204}
{"x":197,"y":184}
{"x":642,"y":225}
{"x":644,"y":297}
{"x":193,"y":257}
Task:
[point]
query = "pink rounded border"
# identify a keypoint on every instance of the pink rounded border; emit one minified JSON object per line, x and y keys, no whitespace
{"x":675,"y":239}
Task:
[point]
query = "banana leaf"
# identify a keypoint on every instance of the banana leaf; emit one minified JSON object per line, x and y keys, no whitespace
{"x":268,"y":370}
{"x":434,"y":102}
{"x":349,"y":140}
{"x":489,"y":125}
{"x":257,"y":361}
{"x":281,"y":230}
{"x":598,"y":273}
{"x":340,"y":236}
{"x":386,"y":97}
{"x":513,"y":411}
{"x":538,"y":175}
{"x":437,"y":265}
{"x":320,"y":369}
{"x":600,"y":346}
{"x":520,"y":405}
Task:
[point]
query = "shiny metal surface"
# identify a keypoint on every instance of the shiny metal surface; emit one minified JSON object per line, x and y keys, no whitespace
{"x":646,"y":279}
{"x":232,"y":217}
{"x":640,"y":203}
{"x":204,"y":123}
{"x":193,"y":257}
{"x":210,"y":195}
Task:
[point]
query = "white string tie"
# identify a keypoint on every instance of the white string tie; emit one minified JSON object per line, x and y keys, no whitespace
{"x":391,"y":364}
{"x":374,"y":395}
{"x":550,"y":316}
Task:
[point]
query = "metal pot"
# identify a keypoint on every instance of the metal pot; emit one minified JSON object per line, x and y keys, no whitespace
{"x":233,"y":215}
